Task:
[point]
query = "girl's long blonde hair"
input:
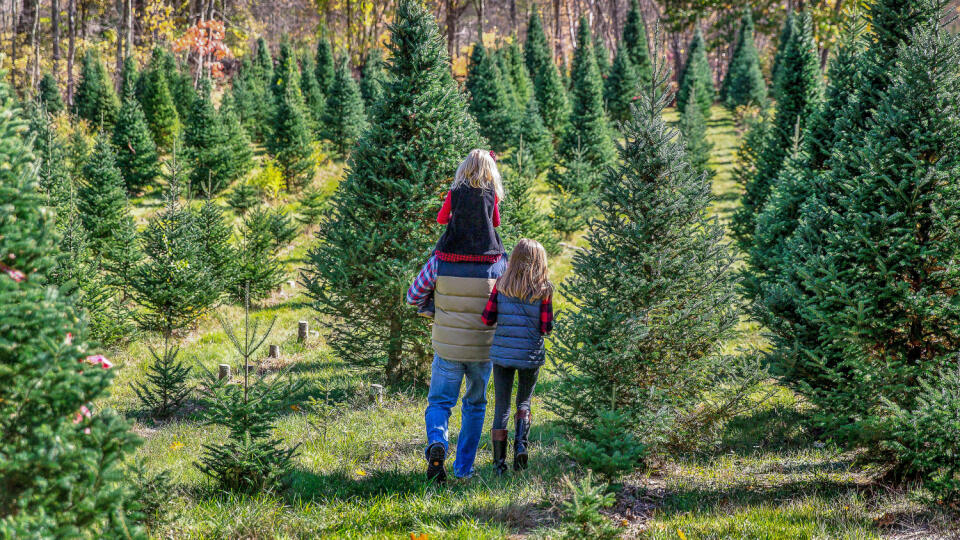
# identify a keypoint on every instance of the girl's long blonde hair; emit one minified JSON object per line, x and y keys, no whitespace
{"x":479,"y":170}
{"x":527,"y":276}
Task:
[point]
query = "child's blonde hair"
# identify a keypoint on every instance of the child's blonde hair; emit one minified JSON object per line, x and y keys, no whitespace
{"x":479,"y":170}
{"x":527,"y":276}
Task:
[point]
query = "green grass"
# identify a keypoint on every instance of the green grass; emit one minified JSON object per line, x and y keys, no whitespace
{"x":360,"y":469}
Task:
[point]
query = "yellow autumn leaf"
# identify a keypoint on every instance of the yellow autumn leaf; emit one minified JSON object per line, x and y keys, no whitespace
{"x":681,"y":535}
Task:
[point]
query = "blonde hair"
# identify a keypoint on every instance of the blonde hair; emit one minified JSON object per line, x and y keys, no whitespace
{"x":527,"y":276}
{"x":479,"y":170}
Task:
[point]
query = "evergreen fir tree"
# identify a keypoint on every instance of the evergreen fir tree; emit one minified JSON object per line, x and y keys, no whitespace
{"x":136,"y":153}
{"x":207,"y":147}
{"x":213,"y":237}
{"x":535,"y":140}
{"x":179,"y":83}
{"x":521,"y":217}
{"x":506,"y":81}
{"x":259,"y":272}
{"x":654,"y":292}
{"x":522,"y":85}
{"x":635,"y":41}
{"x":418,"y":135}
{"x":290,"y":137}
{"x":744,"y":83}
{"x":313,"y":98}
{"x":157,"y":102}
{"x":129,"y":80}
{"x":603,"y":55}
{"x":489,"y":101}
{"x":50,"y":377}
{"x":286,"y":73}
{"x":172,"y":286}
{"x":264,"y":61}
{"x":799,"y":91}
{"x":95,"y":100}
{"x":621,"y":86}
{"x":372,"y":77}
{"x":693,"y":127}
{"x":344,"y":119}
{"x":254,"y":102}
{"x":326,"y":70}
{"x":166,"y":388}
{"x":50,"y":150}
{"x":548,"y":86}
{"x":282,"y":228}
{"x":103,"y":206}
{"x":696,"y":74}
{"x":575,"y":189}
{"x":313,"y":206}
{"x":588,"y":130}
{"x":785,"y":37}
{"x":243,"y":197}
{"x":237,"y":141}
{"x":48,"y":93}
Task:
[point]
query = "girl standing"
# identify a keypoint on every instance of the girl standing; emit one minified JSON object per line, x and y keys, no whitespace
{"x":521,"y":305}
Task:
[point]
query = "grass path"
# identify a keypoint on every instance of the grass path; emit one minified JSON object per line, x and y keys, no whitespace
{"x":360,"y":470}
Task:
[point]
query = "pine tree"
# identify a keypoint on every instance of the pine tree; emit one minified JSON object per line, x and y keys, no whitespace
{"x":535,"y":139}
{"x":489,"y":101}
{"x":635,"y":41}
{"x":883,"y":279}
{"x":548,"y":86}
{"x":129,"y":78}
{"x":313,"y":98}
{"x":237,"y":141}
{"x":506,"y":80}
{"x":785,"y":37}
{"x":621,"y":86}
{"x":372,"y":78}
{"x":575,"y":189}
{"x":326,"y":70}
{"x":693,"y":127}
{"x":206,"y":145}
{"x":157,"y":102}
{"x":216,"y":253}
{"x":696,"y":74}
{"x":48,"y":93}
{"x":744,"y":83}
{"x":166,"y":388}
{"x":290,"y":137}
{"x":172,"y":286}
{"x":243,"y":197}
{"x":522,"y":85}
{"x":344,"y":119}
{"x":286,"y":73}
{"x":259,"y":271}
{"x":103,"y":206}
{"x":264,"y":61}
{"x":603,"y":55}
{"x":799,"y":91}
{"x":136,"y":153}
{"x":179,"y":83}
{"x":418,"y":135}
{"x":51,"y":377}
{"x":588,"y":129}
{"x":50,"y":150}
{"x":654,"y":292}
{"x":521,"y":217}
{"x":95,"y":100}
{"x":254,"y":102}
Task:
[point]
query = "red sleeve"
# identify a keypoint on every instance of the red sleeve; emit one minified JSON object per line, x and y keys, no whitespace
{"x":496,"y":211}
{"x":489,"y":315}
{"x":546,"y":315}
{"x":444,"y":216}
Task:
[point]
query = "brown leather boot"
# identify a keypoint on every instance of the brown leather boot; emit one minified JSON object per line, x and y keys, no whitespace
{"x":498,"y":441}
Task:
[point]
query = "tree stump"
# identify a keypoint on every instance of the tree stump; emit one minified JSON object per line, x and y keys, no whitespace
{"x":274,"y":351}
{"x":376,"y":394}
{"x":223,"y":371}
{"x":303,"y":330}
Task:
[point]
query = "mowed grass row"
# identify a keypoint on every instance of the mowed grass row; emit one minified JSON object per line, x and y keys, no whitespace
{"x":360,"y":471}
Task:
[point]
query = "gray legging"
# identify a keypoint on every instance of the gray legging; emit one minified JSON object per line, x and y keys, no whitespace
{"x":503,"y":387}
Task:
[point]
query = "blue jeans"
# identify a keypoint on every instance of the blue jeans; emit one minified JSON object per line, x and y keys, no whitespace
{"x":445,"y":379}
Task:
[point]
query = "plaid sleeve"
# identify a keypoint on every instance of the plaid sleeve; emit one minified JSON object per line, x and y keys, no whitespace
{"x":546,"y":315}
{"x":489,"y":315}
{"x":424,"y":284}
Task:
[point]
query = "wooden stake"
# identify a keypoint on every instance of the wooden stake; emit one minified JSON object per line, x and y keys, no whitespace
{"x":224,"y":371}
{"x":303,"y":329}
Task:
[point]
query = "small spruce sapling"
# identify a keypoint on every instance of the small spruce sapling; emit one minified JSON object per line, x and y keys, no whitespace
{"x":165,"y":388}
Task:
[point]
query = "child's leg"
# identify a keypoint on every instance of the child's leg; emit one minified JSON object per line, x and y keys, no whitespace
{"x":526,"y":381}
{"x":502,"y":389}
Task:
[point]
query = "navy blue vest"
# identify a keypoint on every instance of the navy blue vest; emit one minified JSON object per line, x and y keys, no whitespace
{"x":471,"y":231}
{"x":517,"y":342}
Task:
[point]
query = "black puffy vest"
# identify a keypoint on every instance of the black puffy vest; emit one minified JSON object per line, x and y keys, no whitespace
{"x":471,"y":230}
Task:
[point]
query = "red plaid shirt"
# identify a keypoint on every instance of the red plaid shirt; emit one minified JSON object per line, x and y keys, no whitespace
{"x":489,"y":315}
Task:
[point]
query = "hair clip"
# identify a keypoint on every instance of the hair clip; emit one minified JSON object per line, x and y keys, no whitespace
{"x":493,"y":155}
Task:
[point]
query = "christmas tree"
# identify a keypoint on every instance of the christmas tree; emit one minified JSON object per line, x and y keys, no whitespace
{"x":506,"y":76}
{"x":259,"y":272}
{"x":654,"y":295}
{"x":63,"y":458}
{"x":522,"y":85}
{"x":326,"y":70}
{"x":243,"y":197}
{"x":95,"y":99}
{"x":263,"y":64}
{"x":103,"y":206}
{"x":372,"y":77}
{"x":166,"y":388}
{"x":254,"y":103}
{"x":290,"y":137}
{"x":129,"y":78}
{"x":207,"y":147}
{"x":521,"y":217}
{"x":696,"y":74}
{"x":635,"y":41}
{"x":547,"y":85}
{"x":535,"y":139}
{"x":51,"y":153}
{"x":693,"y":127}
{"x":215,"y":250}
{"x":799,"y":91}
{"x":419,"y":134}
{"x":603,"y":55}
{"x":785,"y":37}
{"x":313,"y":98}
{"x":157,"y":102}
{"x":180,"y":84}
{"x":621,"y":86}
{"x":587,"y":129}
{"x":744,"y":83}
{"x":237,"y":143}
{"x":286,"y":73}
{"x":489,"y":102}
{"x":575,"y":188}
{"x":343,"y":117}
{"x":136,"y":153}
{"x":48,"y":93}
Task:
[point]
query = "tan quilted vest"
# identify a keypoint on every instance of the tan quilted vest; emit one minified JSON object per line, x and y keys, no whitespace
{"x":458,"y":333}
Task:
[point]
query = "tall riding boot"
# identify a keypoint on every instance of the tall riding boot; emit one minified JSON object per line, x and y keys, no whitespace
{"x":520,"y":440}
{"x":498,"y":439}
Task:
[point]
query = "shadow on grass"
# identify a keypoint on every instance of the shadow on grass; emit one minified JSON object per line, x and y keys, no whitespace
{"x":777,"y":427}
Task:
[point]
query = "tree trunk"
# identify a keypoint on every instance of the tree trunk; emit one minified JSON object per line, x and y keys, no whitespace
{"x":451,"y":27}
{"x":55,"y":36}
{"x":479,"y":6}
{"x":35,"y":48}
{"x":513,"y":18}
{"x":557,"y":45}
{"x":394,"y":351}
{"x":71,"y":46}
{"x":121,"y":21}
